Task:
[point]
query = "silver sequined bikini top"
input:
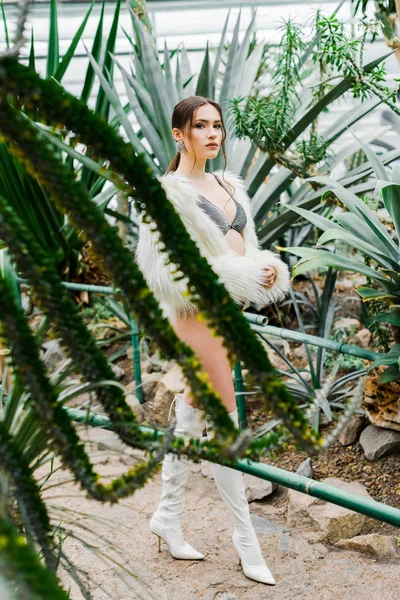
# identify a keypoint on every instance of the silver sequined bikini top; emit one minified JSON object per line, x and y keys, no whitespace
{"x":219,"y":217}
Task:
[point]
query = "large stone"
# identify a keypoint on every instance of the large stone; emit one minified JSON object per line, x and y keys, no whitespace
{"x":363,"y":338}
{"x":305,"y":469}
{"x":257,"y":488}
{"x":330,"y":522}
{"x":118,"y":371}
{"x":352,"y":429}
{"x":168,"y":386}
{"x":54,"y":353}
{"x":381,"y":401}
{"x":377,"y":442}
{"x":346,"y":323}
{"x":382,"y":546}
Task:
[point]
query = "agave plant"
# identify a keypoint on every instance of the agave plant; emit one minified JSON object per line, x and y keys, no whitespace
{"x":30,"y":200}
{"x":292,"y":151}
{"x":317,"y":387}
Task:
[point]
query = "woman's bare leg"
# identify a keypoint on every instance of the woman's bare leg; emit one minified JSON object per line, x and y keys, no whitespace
{"x":213,"y":357}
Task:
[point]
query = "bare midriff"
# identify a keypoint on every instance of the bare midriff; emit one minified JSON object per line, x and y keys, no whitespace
{"x":235,"y":241}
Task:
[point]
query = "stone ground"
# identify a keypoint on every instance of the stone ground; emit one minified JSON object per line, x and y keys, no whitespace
{"x":121,"y":560}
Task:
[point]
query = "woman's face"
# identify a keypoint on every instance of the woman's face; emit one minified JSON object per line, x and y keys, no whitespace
{"x":206,"y":130}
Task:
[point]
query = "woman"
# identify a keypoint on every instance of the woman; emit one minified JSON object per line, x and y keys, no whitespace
{"x":215,"y":210}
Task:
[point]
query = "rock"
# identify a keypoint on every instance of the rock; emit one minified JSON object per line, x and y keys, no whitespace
{"x":256,"y":488}
{"x":363,"y":338}
{"x":352,"y":430}
{"x":173,"y":380}
{"x":377,"y":442}
{"x":381,"y":401}
{"x":168,"y":385}
{"x":53,"y":353}
{"x":119,"y":372}
{"x":346,"y":323}
{"x":330,"y":522}
{"x":382,"y":546}
{"x":137,"y":408}
{"x":305,"y":469}
{"x":263,"y":525}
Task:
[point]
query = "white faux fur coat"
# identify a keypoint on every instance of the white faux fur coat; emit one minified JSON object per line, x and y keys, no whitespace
{"x":241,"y":275}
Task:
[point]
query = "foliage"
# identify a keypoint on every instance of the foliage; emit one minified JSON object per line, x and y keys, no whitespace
{"x":29,"y":198}
{"x":360,"y":228}
{"x":295,"y":150}
{"x":54,"y":106}
{"x":323,"y":390}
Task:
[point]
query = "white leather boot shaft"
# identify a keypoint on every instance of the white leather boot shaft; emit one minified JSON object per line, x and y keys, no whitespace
{"x":231,"y":488}
{"x":166,"y":522}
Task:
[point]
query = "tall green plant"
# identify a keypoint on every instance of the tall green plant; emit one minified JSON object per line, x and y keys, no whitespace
{"x":360,"y":228}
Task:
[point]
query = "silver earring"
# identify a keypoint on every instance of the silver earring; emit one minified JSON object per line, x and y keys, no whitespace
{"x":180,"y":146}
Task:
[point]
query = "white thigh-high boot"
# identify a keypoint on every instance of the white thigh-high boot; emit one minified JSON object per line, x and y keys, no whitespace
{"x":165,"y":522}
{"x":231,"y":488}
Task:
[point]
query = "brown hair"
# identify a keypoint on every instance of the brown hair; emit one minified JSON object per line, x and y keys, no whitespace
{"x":183,"y":119}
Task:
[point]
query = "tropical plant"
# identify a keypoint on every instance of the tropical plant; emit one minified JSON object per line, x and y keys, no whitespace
{"x":47,"y":101}
{"x":387,"y":13}
{"x":361,"y":228}
{"x":29,"y":198}
{"x":294,"y":143}
{"x":317,"y":389}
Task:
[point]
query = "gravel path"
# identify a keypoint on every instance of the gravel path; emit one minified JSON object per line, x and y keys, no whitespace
{"x":302,"y":569}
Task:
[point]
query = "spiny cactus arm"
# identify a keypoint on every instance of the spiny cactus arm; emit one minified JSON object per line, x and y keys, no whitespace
{"x":55,"y":300}
{"x":19,"y":563}
{"x":28,"y":496}
{"x":58,"y":428}
{"x":212,"y":298}
{"x":68,"y":193}
{"x":55,"y":423}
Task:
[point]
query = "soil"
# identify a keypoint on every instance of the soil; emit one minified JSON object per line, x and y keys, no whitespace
{"x":113,"y":555}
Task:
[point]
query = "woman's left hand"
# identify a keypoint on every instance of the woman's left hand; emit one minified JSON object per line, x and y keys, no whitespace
{"x":269,"y":276}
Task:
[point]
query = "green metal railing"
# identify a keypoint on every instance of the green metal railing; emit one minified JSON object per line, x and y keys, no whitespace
{"x":360,"y":504}
{"x":371,"y":508}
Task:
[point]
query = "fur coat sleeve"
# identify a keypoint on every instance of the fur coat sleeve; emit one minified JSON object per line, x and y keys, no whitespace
{"x":241,"y":275}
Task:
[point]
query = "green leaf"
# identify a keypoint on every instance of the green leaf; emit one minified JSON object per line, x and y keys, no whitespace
{"x":299,"y":251}
{"x":169,"y":78}
{"x":391,"y":358}
{"x":62,"y":67}
{"x":32,"y":53}
{"x":113,"y":99}
{"x":392,"y":317}
{"x":356,"y":242}
{"x":372,"y":294}
{"x":96,"y":51}
{"x":328,"y":259}
{"x":392,"y":373}
{"x":391,"y":199}
{"x":3,"y":14}
{"x":205,"y":83}
{"x":373,"y":158}
{"x":103,"y":104}
{"x":221,"y":47}
{"x":359,"y":208}
{"x":156,"y":89}
{"x":53,"y":55}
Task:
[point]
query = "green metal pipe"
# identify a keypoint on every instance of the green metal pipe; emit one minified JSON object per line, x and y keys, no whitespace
{"x":329,"y":493}
{"x":304,"y":338}
{"x":137,"y":372}
{"x":82,"y":287}
{"x":240,"y":398}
